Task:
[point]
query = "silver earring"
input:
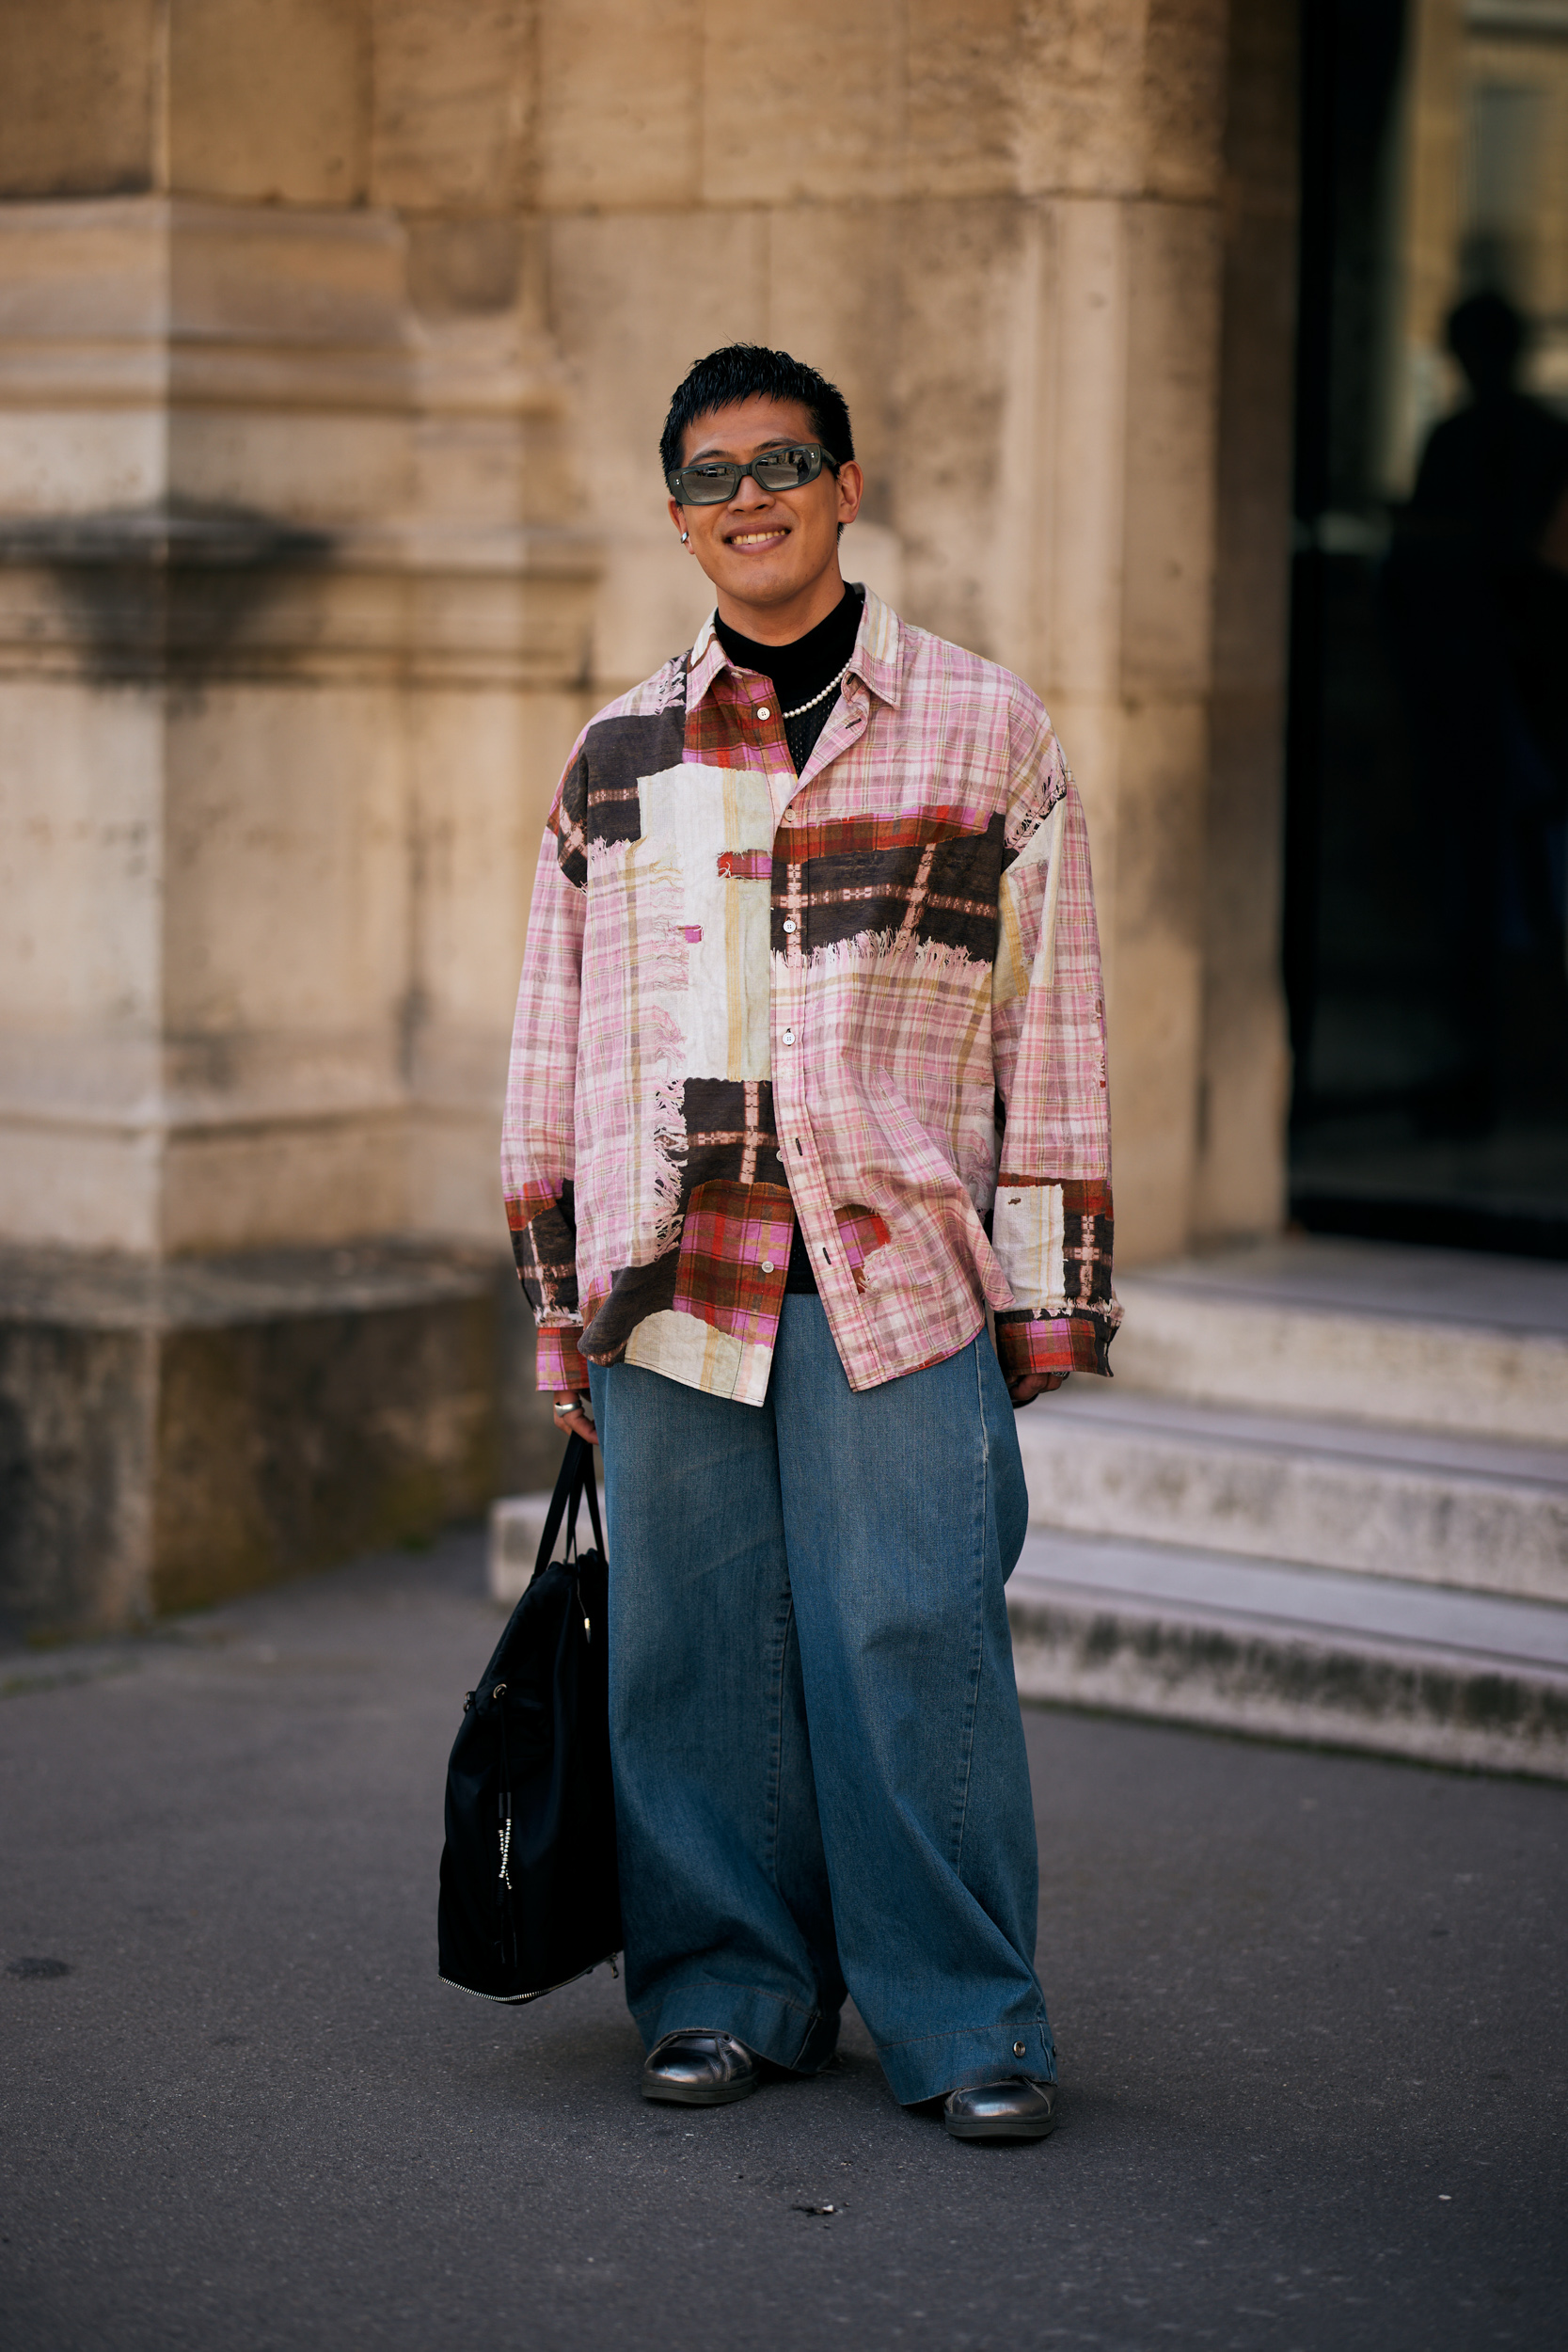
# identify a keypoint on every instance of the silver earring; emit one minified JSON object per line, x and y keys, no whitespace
{"x":685,"y":537}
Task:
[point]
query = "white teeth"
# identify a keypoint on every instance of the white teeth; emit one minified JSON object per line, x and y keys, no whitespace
{"x":755,"y":538}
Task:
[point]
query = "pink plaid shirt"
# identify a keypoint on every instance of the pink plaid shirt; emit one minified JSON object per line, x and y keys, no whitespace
{"x":868,"y":996}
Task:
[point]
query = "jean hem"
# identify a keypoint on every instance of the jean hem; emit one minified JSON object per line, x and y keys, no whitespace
{"x":935,"y":2064}
{"x":770,"y":2026}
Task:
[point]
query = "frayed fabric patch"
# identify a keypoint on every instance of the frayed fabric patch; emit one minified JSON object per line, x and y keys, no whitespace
{"x":1028,"y":1236}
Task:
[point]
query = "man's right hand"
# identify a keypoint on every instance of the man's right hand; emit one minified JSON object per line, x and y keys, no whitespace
{"x":574,"y":1415}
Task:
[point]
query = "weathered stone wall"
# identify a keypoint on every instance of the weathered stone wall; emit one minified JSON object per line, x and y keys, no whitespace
{"x":294,"y":615}
{"x":1244,"y":1080}
{"x":416,"y":278}
{"x":172,"y":1432}
{"x":335,"y":337}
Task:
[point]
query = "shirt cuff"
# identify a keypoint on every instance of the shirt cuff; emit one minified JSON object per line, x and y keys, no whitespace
{"x":1027,"y":1344}
{"x":560,"y":1362}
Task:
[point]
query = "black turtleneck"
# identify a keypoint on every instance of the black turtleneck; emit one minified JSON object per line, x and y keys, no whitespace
{"x":799,"y":672}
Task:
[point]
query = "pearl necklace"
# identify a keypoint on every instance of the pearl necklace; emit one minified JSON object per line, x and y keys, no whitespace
{"x":800,"y":708}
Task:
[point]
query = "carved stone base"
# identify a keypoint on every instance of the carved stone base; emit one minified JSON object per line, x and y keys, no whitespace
{"x":173,"y":1434}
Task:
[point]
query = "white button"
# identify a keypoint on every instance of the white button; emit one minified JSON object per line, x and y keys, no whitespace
{"x":789,"y":922}
{"x":789,"y":1036}
{"x":763,"y":711}
{"x":768,"y":1266}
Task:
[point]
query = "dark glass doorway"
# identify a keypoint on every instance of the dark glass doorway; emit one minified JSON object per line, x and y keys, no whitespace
{"x":1427,"y":851}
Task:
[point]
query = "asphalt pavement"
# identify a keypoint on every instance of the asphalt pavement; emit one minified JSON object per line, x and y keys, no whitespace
{"x":1311,"y":2010}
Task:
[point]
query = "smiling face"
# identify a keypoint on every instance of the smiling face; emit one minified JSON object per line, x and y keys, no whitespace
{"x":772,"y":555}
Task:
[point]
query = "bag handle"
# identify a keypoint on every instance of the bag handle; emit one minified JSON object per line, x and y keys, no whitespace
{"x":574,"y":1477}
{"x":588,"y":1488}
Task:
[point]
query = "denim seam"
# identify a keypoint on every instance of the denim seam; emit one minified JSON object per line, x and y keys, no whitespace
{"x":950,"y":2033}
{"x":978,"y":1652}
{"x":731,"y":1984}
{"x":775,"y":1768}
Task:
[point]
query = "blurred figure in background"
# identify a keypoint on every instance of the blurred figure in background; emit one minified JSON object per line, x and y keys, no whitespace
{"x":1477,"y":590}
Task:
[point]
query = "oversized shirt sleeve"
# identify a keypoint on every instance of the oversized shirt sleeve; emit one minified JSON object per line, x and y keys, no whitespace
{"x":538,"y":1140}
{"x":1051,"y":1224}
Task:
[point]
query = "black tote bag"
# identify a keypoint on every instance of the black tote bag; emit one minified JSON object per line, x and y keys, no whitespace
{"x":529,"y":1897}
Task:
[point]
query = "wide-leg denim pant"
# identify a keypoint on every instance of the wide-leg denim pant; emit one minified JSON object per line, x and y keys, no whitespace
{"x":821,"y":1776}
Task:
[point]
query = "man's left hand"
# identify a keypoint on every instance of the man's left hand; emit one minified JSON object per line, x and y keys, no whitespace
{"x":1032,"y":1385}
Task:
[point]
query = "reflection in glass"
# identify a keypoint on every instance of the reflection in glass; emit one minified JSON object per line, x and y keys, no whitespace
{"x":1429,"y":785}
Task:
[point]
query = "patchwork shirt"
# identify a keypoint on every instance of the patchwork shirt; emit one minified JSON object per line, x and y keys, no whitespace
{"x":868,"y":996}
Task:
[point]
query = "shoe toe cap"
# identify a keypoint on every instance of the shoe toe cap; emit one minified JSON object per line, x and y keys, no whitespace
{"x":698,"y":2062}
{"x":1018,"y":2106}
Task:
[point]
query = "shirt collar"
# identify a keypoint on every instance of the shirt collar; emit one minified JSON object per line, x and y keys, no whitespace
{"x":876,"y":660}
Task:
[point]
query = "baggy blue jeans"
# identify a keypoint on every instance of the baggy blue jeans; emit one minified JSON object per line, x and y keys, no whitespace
{"x":820,"y":1775}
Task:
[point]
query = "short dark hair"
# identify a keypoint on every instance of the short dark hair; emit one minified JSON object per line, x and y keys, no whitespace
{"x":745,"y":371}
{"x":1486,"y":335}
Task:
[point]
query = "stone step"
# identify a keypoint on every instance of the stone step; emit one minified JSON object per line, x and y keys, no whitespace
{"x":1275,"y":1652}
{"x":516,"y":1530}
{"x":1353,"y":1331}
{"x":1256,"y":1646}
{"x":1467,"y":1511}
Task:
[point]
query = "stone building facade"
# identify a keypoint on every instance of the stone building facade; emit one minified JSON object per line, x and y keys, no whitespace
{"x":335,"y":337}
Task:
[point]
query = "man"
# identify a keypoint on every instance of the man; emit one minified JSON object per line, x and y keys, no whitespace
{"x":1478,"y":605}
{"x":812,"y":958}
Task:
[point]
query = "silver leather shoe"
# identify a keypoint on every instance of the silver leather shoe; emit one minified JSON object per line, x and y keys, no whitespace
{"x":1021,"y":2108}
{"x":699,"y":2070}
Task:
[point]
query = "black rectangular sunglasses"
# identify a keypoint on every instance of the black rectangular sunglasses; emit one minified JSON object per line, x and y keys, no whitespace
{"x":713,"y":481}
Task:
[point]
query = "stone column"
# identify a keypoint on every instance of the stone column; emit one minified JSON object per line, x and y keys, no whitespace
{"x":294,"y":621}
{"x":1244,"y":1080}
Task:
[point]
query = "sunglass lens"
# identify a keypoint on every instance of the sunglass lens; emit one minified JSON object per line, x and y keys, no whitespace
{"x":708,"y":485}
{"x":787,"y":468}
